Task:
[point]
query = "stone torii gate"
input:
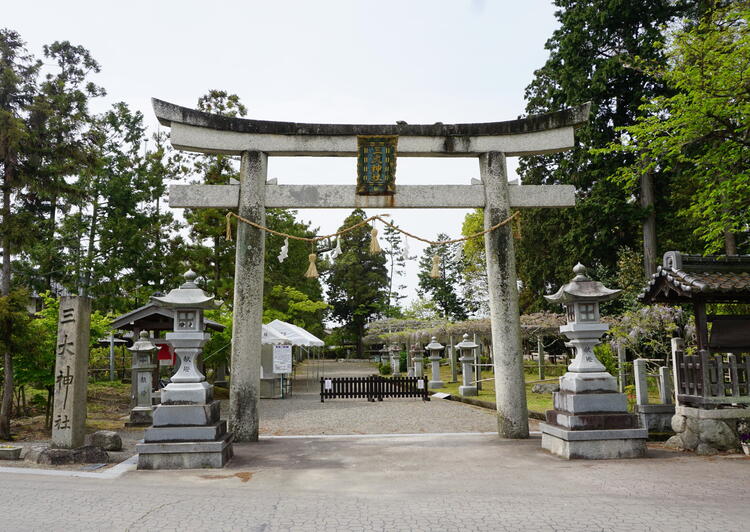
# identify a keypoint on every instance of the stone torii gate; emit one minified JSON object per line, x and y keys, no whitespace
{"x":256,"y":140}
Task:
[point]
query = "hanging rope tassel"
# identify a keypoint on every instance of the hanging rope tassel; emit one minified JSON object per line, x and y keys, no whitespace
{"x":229,"y":227}
{"x":435,"y":273}
{"x":312,"y":271}
{"x":374,"y":246}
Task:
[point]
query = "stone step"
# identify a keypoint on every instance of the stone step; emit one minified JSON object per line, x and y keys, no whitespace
{"x":186,"y":434}
{"x":187,"y":415}
{"x":582,"y":403}
{"x":597,"y":421}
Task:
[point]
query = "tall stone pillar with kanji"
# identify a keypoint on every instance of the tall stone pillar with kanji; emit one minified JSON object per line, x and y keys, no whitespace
{"x":71,"y":372}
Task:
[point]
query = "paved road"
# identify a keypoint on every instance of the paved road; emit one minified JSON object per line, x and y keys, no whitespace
{"x":466,"y":482}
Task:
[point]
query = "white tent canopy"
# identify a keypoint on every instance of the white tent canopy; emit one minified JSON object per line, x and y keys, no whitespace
{"x":271,"y":336}
{"x":294,"y":334}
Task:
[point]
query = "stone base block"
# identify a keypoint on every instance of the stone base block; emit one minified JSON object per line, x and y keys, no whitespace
{"x":436,"y":384}
{"x":140,"y":417}
{"x":598,"y":382}
{"x":656,"y":418}
{"x":187,"y":415}
{"x":596,"y":421}
{"x":87,"y":454}
{"x":594,"y":444}
{"x":188,"y":455}
{"x":186,"y":434}
{"x":187,"y":393}
{"x":590,"y":402}
{"x":467,"y":390}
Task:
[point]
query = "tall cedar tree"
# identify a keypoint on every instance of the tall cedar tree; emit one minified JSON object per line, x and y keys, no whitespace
{"x":589,"y":56}
{"x":18,"y":72}
{"x":357,"y":282}
{"x":445,"y":290}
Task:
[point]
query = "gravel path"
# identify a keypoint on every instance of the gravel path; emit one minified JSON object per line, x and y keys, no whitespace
{"x":303,"y":413}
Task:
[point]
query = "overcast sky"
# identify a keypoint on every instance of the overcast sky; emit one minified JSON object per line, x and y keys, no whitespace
{"x":347,"y":61}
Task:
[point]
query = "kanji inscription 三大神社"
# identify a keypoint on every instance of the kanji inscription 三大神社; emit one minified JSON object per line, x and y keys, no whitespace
{"x":376,"y":165}
{"x":71,"y":372}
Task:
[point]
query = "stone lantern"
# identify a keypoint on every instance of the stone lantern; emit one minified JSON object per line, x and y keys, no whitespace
{"x":142,"y":351}
{"x":187,"y":432}
{"x":590,"y":418}
{"x":434,"y":347}
{"x":418,"y":359}
{"x":466,"y":348}
{"x":395,"y":354}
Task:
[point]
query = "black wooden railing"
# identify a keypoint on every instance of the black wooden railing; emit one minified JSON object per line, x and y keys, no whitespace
{"x":372,"y":388}
{"x":712,"y":379}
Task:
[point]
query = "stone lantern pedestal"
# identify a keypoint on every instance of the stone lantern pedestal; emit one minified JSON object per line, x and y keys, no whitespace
{"x":590,"y":418}
{"x":466,"y":348}
{"x":187,"y":432}
{"x":418,"y":363}
{"x":141,"y":415}
{"x":434,"y":347}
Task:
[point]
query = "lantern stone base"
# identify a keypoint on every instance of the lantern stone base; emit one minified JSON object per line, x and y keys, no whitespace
{"x":185,"y":455}
{"x":594,"y":444}
{"x":467,"y":390}
{"x":185,"y":436}
{"x":591,"y":421}
{"x":435,"y":384}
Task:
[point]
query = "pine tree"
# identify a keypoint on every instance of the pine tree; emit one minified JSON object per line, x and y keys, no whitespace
{"x":445,"y":290}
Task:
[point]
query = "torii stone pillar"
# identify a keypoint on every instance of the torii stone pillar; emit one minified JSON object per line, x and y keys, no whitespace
{"x":244,"y":390}
{"x":510,"y":385}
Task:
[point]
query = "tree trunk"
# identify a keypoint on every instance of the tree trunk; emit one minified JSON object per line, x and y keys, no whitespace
{"x":649,"y":224}
{"x":90,"y":250}
{"x":7,"y":400}
{"x":730,"y":243}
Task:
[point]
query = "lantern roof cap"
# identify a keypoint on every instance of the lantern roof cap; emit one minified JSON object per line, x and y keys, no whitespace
{"x":142,"y":344}
{"x":188,"y":295}
{"x":581,"y":288}
{"x":466,"y":343}
{"x":434,"y":344}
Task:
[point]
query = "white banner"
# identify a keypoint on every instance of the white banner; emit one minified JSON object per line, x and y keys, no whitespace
{"x":282,"y":359}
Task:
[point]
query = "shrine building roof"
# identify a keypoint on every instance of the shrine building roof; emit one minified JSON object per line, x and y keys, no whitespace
{"x":683,"y":278}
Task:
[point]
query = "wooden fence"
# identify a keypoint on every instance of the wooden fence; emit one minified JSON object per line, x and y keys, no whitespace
{"x":717,"y":379}
{"x":372,"y":388}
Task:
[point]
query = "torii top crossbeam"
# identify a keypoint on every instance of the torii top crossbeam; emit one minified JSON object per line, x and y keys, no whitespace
{"x":198,"y":131}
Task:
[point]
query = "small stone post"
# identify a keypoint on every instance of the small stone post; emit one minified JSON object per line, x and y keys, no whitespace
{"x":540,"y":354}
{"x":665,"y":390}
{"x":434,"y":347}
{"x":141,"y":413}
{"x":678,"y":345}
{"x":418,"y":359}
{"x":467,"y":358}
{"x":112,"y":372}
{"x":621,"y":368}
{"x":453,"y":359}
{"x":395,"y":360}
{"x":641,"y":381}
{"x":71,"y":372}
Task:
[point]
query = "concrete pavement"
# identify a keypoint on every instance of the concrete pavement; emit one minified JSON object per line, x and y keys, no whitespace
{"x":422,"y":482}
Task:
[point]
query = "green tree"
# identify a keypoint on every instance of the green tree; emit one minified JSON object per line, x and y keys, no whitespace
{"x":589,"y":60}
{"x":446,"y":289}
{"x":18,"y":73}
{"x":288,"y":304}
{"x":357,"y":282}
{"x":701,"y":131}
{"x":211,"y":255}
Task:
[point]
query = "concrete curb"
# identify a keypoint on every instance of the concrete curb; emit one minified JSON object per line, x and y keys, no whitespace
{"x":485,"y":404}
{"x":108,"y":474}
